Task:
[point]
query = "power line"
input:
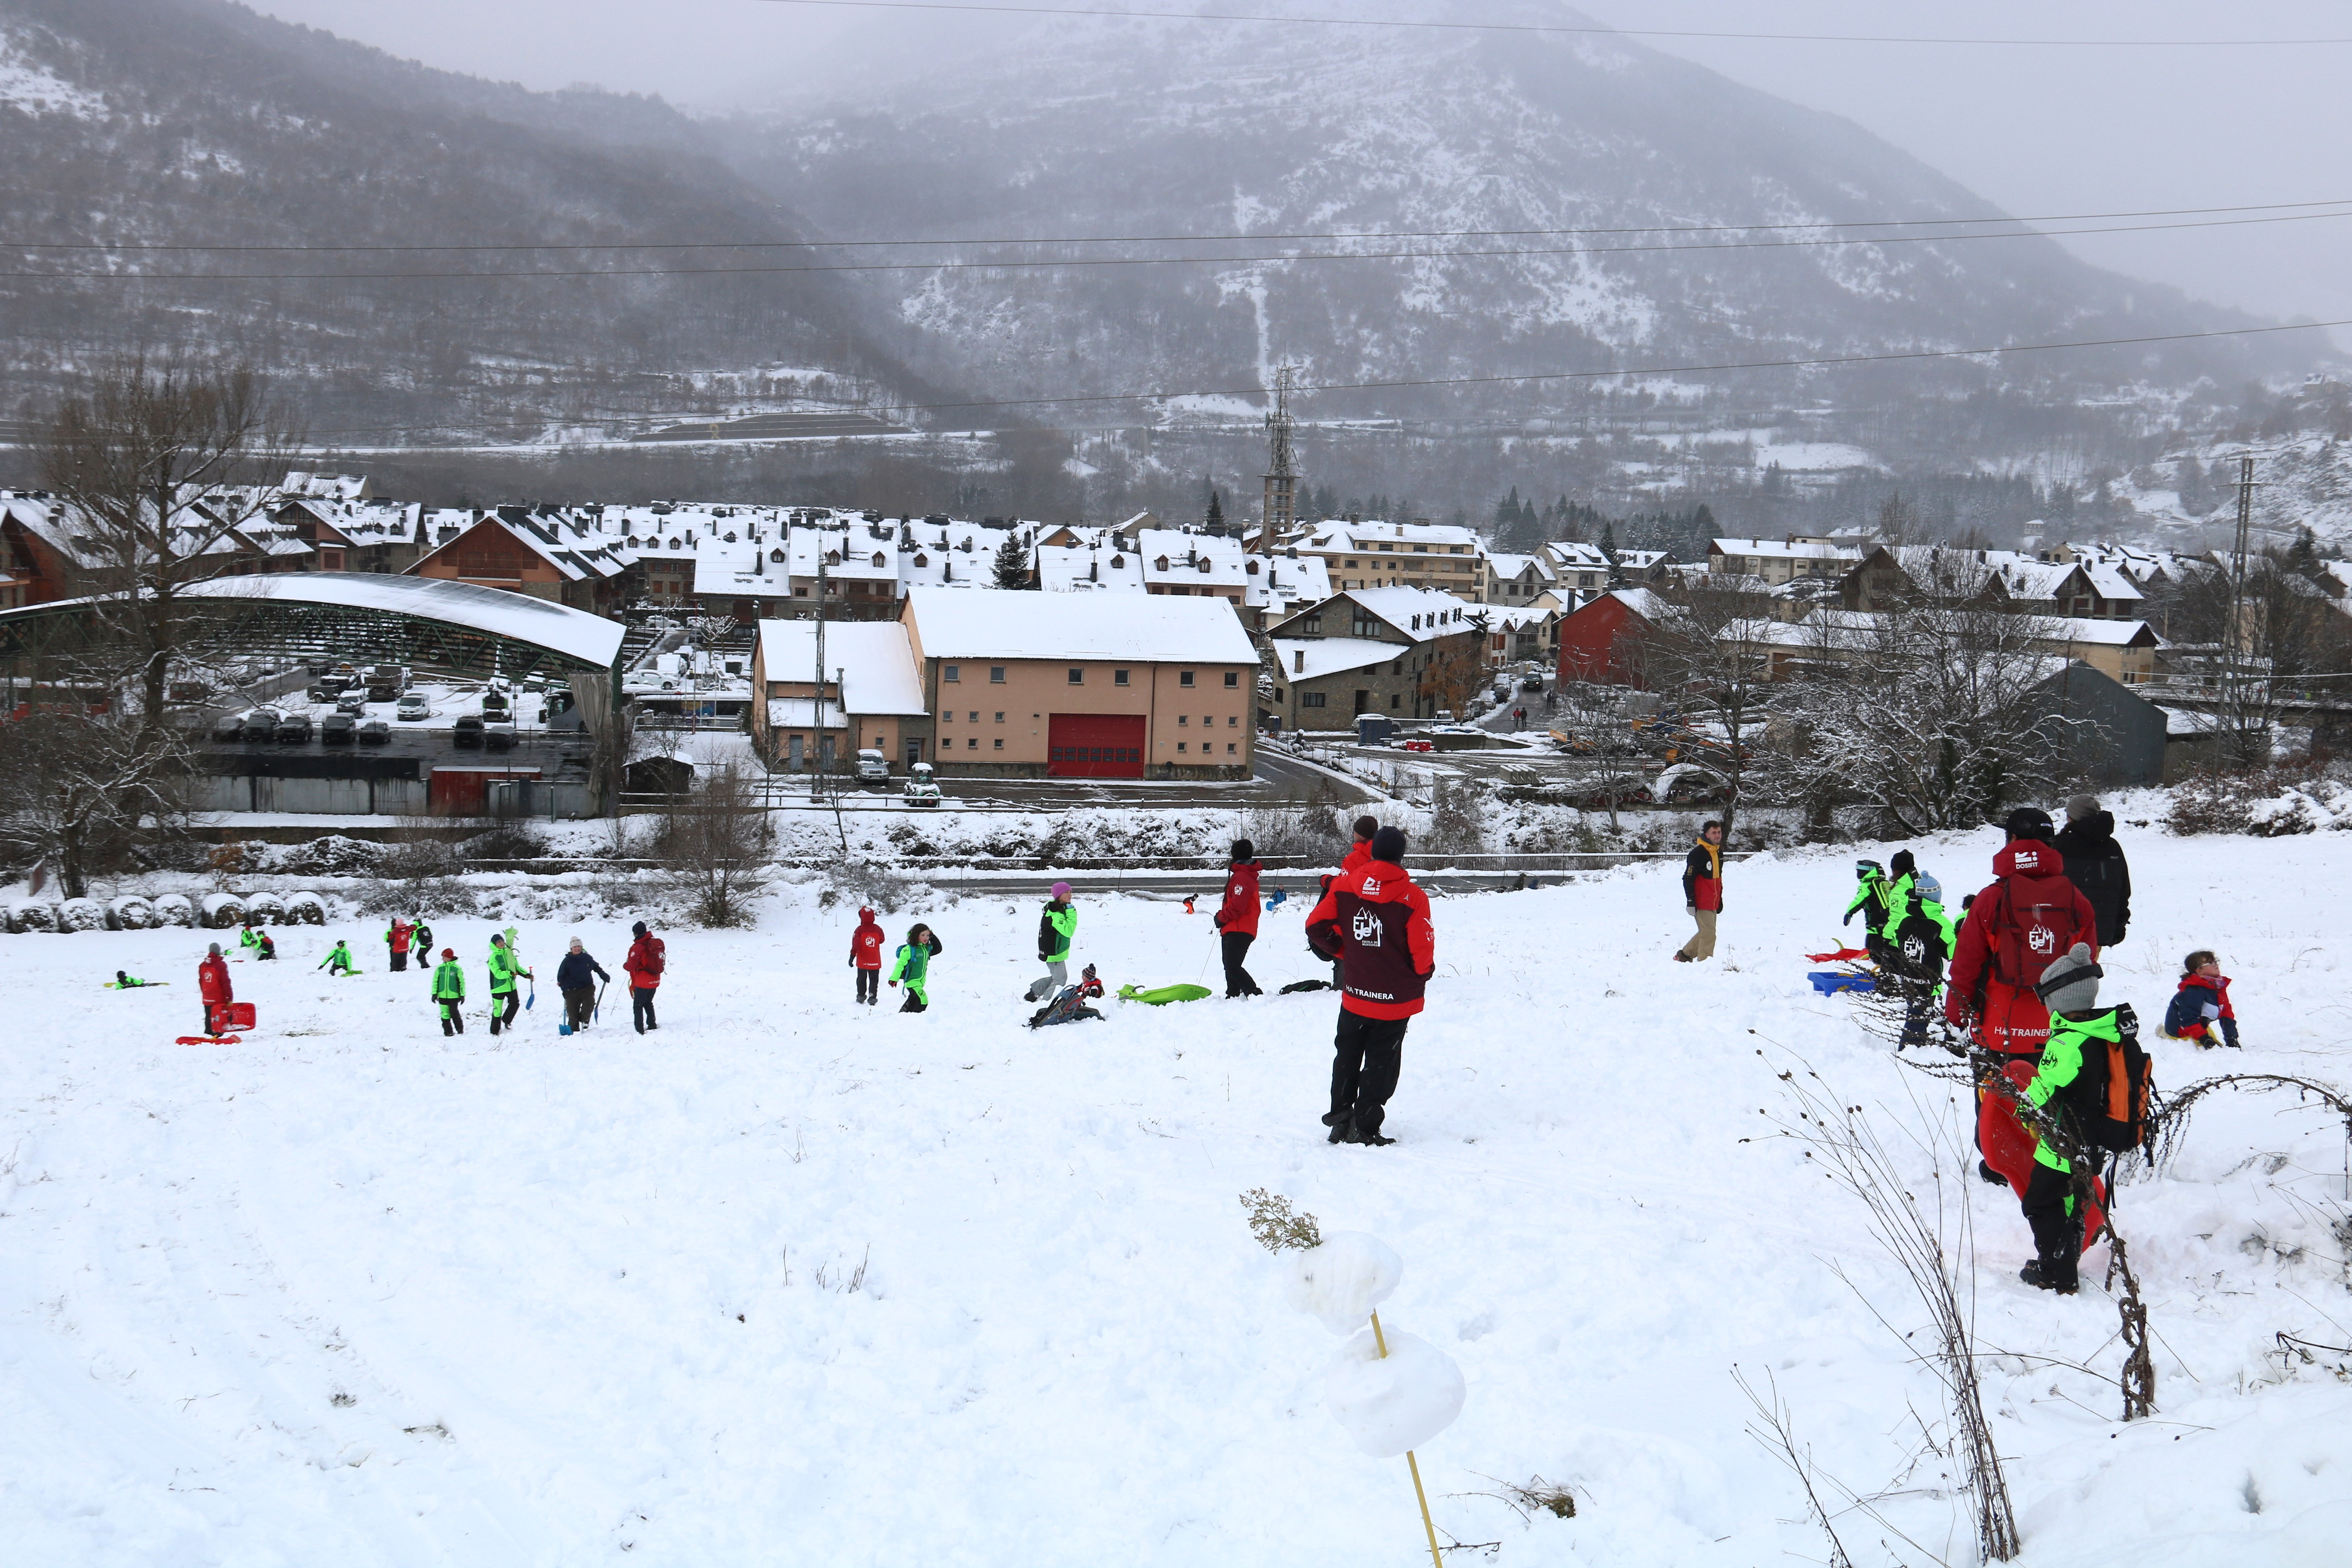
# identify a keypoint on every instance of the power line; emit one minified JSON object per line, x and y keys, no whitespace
{"x":1032,"y":265}
{"x":1534,"y":376}
{"x":1582,"y":32}
{"x":2282,"y":207}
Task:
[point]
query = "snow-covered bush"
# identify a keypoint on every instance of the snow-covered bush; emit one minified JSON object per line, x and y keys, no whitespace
{"x":174,"y":909}
{"x":130,"y":913}
{"x":333,"y":856}
{"x":32,"y":914}
{"x":81,"y":914}
{"x":2269,"y":803}
{"x":264,"y":908}
{"x":305,"y":910}
{"x":223,"y":911}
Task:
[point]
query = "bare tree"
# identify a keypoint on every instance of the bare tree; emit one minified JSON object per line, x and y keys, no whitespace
{"x":1716,"y":649}
{"x":157,"y":466}
{"x":713,"y":841}
{"x":86,"y":792}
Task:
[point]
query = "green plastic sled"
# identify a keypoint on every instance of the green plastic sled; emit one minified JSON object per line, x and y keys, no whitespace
{"x":1164,"y":994}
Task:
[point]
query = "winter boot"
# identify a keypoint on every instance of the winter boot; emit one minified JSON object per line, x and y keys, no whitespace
{"x":1987,"y":1174}
{"x":1372,"y":1138}
{"x":2050,"y":1277}
{"x":1341,"y":1132}
{"x":1333,"y":1118}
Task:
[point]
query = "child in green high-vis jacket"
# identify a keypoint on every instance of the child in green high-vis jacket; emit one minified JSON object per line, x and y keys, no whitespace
{"x":914,"y":966}
{"x":339,"y":962}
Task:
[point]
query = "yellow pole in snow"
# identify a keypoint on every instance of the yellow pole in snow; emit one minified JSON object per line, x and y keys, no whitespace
{"x":1420,"y":1495}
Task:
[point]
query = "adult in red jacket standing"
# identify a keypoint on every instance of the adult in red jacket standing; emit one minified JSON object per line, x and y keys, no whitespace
{"x":865,"y":957}
{"x":1237,"y":917}
{"x":2022,"y":923}
{"x":646,"y":960}
{"x":212,"y":986}
{"x":1360,"y":850}
{"x":1375,"y":923}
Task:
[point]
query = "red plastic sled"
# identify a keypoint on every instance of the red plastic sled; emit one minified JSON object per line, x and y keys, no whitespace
{"x":2009,"y":1146}
{"x":209,"y":1040}
{"x":225,"y":1015}
{"x":1842,"y":956}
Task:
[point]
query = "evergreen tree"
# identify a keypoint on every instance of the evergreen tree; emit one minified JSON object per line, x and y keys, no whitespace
{"x":1216,"y":520}
{"x":1609,"y":553}
{"x":1012,"y":562}
{"x":1505,"y":534}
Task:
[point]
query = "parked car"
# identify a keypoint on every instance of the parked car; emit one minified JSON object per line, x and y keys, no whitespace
{"x":327,"y":687}
{"x":337,"y":729}
{"x":413,"y":707}
{"x":261,"y":724}
{"x":1532,"y":683}
{"x":230,"y":726}
{"x":498,"y":734}
{"x":873,"y":767}
{"x":374,"y":732}
{"x":384,"y":688}
{"x":468,"y":731}
{"x":354,"y":701}
{"x":294,"y":729}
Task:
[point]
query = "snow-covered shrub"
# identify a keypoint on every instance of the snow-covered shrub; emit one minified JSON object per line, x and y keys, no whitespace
{"x":264,"y":908}
{"x":334,"y":856}
{"x":32,"y":914}
{"x":223,"y":911}
{"x":2268,"y":803}
{"x":81,"y":914}
{"x":305,"y":910}
{"x":174,"y":909}
{"x":130,"y":913}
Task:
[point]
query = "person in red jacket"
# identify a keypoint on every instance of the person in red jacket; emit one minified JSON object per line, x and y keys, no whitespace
{"x":2030,"y":916}
{"x":1375,"y":923}
{"x":212,"y":986}
{"x":865,"y":957}
{"x":647,"y":958}
{"x":1360,"y":850}
{"x":1237,"y":917}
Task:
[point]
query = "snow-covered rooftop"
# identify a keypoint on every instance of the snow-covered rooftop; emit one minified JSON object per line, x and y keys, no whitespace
{"x":998,"y":623}
{"x":574,"y":634}
{"x":875,"y":661}
{"x":1304,"y":658}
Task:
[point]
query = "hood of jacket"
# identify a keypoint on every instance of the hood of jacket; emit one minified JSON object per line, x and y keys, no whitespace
{"x":2089,"y":832}
{"x":866,"y":918}
{"x":1377,"y":882}
{"x":2103,"y":1024}
{"x":2219,"y":984}
{"x":2028,"y":859}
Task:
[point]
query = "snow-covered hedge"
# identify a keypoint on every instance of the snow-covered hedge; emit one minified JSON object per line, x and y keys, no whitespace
{"x":32,"y":914}
{"x":81,"y":914}
{"x":174,"y":909}
{"x":305,"y":910}
{"x":223,"y":911}
{"x":264,"y":908}
{"x":130,"y":913}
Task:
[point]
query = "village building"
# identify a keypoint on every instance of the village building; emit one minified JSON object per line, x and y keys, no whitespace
{"x":871,"y":698}
{"x":1400,"y":653}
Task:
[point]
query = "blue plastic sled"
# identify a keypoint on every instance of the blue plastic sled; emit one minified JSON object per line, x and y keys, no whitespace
{"x":1830,"y":981}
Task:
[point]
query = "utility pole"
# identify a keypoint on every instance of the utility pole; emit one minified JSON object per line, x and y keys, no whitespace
{"x":816,"y":702}
{"x":1281,"y":504}
{"x":2233,"y":671}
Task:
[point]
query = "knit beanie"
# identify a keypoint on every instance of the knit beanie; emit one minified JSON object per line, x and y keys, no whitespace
{"x":1388,"y":845}
{"x":1243,"y":850}
{"x":1366,"y":826}
{"x":2082,"y":808}
{"x":215,"y":949}
{"x":1901,"y":864}
{"x":2072,"y":983}
{"x":638,"y":929}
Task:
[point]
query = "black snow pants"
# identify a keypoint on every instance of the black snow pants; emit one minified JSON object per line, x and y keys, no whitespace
{"x":1238,"y":979}
{"x":2057,"y":1234}
{"x":1367,"y":1053}
{"x":504,"y":1005}
{"x":399,"y":959}
{"x":641,"y":1003}
{"x":870,"y":986}
{"x":453,"y":1016}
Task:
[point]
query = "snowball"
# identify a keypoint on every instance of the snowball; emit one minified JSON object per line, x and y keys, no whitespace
{"x":1390,"y":1405}
{"x":1343,"y":1279}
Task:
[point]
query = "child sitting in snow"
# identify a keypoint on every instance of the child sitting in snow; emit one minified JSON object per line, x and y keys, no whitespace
{"x":339,"y":962}
{"x":2202,"y":1001}
{"x":1070,"y":1006}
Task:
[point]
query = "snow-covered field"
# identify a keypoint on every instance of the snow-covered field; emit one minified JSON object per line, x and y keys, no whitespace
{"x":793,"y":1282}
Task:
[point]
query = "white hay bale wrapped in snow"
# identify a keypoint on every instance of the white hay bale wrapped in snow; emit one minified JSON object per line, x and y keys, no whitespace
{"x":264,"y":908}
{"x":305,"y":910}
{"x":130,"y":913}
{"x":31,"y":915}
{"x":223,"y":911}
{"x":174,"y":909}
{"x":81,"y":914}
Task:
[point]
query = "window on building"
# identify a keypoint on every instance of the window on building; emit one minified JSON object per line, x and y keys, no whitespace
{"x":1232,"y":720}
{"x":1118,"y":678}
{"x":1000,"y":718}
{"x":1000,"y":744}
{"x":1078,"y":676}
{"x":996,"y":675}
{"x":951,"y":673}
{"x":1184,"y":678}
{"x":1230,"y":748}
{"x":947,"y":717}
{"x":1312,"y":698}
{"x":1183,"y":745}
{"x":973,"y":744}
{"x":1232,"y":679}
{"x":1395,"y":701}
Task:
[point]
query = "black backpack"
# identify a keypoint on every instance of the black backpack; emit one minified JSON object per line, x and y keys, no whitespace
{"x":2107,"y":1101}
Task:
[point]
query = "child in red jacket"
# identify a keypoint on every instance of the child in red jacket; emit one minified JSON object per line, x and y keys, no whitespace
{"x":865,"y":957}
{"x":2201,"y":1005}
{"x":1237,"y":917}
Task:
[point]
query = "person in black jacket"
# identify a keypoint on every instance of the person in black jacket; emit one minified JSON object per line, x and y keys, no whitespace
{"x":1703,"y":892}
{"x":572,"y":978}
{"x":2095,"y":864}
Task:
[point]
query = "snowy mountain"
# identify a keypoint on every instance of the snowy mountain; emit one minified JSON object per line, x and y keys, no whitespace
{"x":1488,"y":144}
{"x":181,"y":121}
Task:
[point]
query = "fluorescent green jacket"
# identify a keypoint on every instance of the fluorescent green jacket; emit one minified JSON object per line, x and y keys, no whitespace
{"x":340,"y":958}
{"x":2062,"y":1063}
{"x":914,"y":965}
{"x":1872,"y":892}
{"x":502,"y":971}
{"x":1064,"y":925}
{"x":449,"y":982}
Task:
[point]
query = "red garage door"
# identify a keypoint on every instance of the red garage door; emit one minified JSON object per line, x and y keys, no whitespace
{"x":1095,"y":746}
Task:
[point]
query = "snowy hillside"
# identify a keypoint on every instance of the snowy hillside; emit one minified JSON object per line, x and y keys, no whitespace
{"x":1485,"y":144}
{"x":790,"y":1281}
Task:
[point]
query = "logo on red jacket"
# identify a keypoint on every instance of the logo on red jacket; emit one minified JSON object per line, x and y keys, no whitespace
{"x":2042,"y":939}
{"x":1366,"y":929}
{"x":2026,"y":859}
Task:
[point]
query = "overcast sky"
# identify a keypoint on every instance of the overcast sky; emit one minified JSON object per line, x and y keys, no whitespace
{"x":2035,"y":130}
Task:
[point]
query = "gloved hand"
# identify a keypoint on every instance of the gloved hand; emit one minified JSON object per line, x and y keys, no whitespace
{"x":1849,"y":919}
